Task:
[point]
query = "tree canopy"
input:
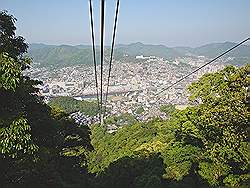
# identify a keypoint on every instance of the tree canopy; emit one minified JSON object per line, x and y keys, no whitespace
{"x":35,"y":140}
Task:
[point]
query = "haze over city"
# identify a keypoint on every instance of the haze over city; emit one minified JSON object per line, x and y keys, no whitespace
{"x":171,"y":23}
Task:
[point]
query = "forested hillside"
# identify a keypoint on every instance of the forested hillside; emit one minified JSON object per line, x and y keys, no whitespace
{"x":206,"y":145}
{"x":65,"y":55}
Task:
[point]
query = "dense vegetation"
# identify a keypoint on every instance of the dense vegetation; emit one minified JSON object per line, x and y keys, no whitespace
{"x":205,"y":145}
{"x":121,"y":120}
{"x":70,"y":105}
{"x":39,"y":146}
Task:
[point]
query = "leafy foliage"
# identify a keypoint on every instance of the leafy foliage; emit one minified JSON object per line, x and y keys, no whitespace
{"x":135,"y":171}
{"x":124,"y":142}
{"x":11,"y":44}
{"x":38,"y":145}
{"x":10,"y":72}
{"x":11,"y":143}
{"x":218,"y":125}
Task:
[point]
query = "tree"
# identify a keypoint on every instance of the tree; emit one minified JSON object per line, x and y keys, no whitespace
{"x":35,"y":140}
{"x":168,"y":109}
{"x":218,"y":125}
{"x":12,"y":119}
{"x":14,"y":45}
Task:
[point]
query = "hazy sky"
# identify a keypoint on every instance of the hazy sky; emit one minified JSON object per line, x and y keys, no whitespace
{"x":168,"y":22}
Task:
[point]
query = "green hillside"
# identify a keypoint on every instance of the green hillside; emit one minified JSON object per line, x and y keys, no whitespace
{"x":212,"y":50}
{"x":66,"y":55}
{"x":60,"y":55}
{"x":135,"y":49}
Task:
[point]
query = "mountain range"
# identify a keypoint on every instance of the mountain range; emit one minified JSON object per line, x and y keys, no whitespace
{"x":66,"y":55}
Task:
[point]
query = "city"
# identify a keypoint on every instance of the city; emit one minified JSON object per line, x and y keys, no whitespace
{"x":132,"y":85}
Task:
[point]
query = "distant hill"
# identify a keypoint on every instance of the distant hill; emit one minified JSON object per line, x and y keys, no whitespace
{"x":212,"y":50}
{"x":66,"y":55}
{"x":50,"y":55}
{"x":135,"y":49}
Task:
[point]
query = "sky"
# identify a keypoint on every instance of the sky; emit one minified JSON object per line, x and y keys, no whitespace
{"x":168,"y":22}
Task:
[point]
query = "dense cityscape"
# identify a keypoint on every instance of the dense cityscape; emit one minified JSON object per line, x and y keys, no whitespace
{"x":132,"y":85}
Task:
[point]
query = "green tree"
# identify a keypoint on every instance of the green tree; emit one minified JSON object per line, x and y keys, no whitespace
{"x":13,"y":119}
{"x":11,"y":44}
{"x":218,"y":125}
{"x":39,"y":146}
{"x":139,"y":110}
{"x":168,"y":109}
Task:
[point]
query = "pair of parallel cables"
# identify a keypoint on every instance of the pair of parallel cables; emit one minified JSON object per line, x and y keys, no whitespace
{"x":102,"y":102}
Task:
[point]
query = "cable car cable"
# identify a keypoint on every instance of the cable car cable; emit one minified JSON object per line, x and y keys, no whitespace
{"x":94,"y":55}
{"x":111,"y":53}
{"x":102,"y":53}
